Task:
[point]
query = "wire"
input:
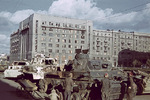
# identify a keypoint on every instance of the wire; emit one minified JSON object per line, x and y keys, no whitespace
{"x":135,"y":7}
{"x":112,"y":16}
{"x":17,"y":5}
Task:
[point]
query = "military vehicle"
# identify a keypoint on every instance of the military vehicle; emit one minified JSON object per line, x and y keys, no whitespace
{"x":87,"y":76}
{"x":140,"y":77}
{"x":15,"y":70}
{"x":137,"y":63}
{"x":39,"y":66}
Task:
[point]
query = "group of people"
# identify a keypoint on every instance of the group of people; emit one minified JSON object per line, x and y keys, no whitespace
{"x":68,"y":89}
{"x":130,"y":90}
{"x":105,"y":87}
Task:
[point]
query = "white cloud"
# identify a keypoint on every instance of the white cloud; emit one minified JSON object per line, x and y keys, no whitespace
{"x":84,"y":9}
{"x":4,"y":40}
{"x":102,"y":18}
{"x":21,"y":15}
{"x":5,"y":14}
{"x":18,"y":16}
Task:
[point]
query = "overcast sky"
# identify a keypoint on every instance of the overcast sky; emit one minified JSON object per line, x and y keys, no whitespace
{"x":125,"y":15}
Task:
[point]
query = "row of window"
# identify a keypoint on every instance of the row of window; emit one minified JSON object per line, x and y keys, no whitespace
{"x":101,"y":58}
{"x":62,"y":40}
{"x":63,"y":30}
{"x":63,"y":35}
{"x":118,"y":35}
{"x":58,"y":51}
{"x":57,"y":24}
{"x":58,"y":45}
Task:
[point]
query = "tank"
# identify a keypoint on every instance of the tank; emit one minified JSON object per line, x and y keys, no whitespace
{"x":140,"y":77}
{"x":87,"y":76}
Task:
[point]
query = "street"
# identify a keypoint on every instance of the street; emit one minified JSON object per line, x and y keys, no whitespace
{"x":8,"y":91}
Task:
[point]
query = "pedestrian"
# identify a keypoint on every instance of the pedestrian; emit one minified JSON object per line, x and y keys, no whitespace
{"x":131,"y":87}
{"x":68,"y":87}
{"x":106,"y":85}
{"x":54,"y":95}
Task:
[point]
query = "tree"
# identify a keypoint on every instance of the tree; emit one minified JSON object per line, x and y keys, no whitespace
{"x":136,"y":63}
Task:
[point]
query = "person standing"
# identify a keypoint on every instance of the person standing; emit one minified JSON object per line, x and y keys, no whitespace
{"x":68,"y":87}
{"x":106,"y":85}
{"x":131,"y":87}
{"x":54,"y":95}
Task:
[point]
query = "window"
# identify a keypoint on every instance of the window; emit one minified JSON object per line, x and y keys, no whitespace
{"x":43,"y":39}
{"x":50,"y":50}
{"x":50,"y":34}
{"x":70,"y":25}
{"x":57,"y":51}
{"x":57,"y":24}
{"x":69,"y":41}
{"x":64,"y":46}
{"x":76,"y":47}
{"x":50,"y":45}
{"x":64,"y":40}
{"x":82,"y":37}
{"x":57,"y":45}
{"x":76,"y":26}
{"x":43,"y":28}
{"x":50,"y":39}
{"x":76,"y":41}
{"x":83,"y":27}
{"x":82,"y":42}
{"x":44,"y":34}
{"x":69,"y":46}
{"x":58,"y":35}
{"x":64,"y":35}
{"x":50,"y":29}
{"x":58,"y":40}
{"x":43,"y":44}
{"x":63,"y":51}
{"x":70,"y":36}
{"x":70,"y":51}
{"x":76,"y":36}
{"x":43,"y":23}
{"x":64,"y":25}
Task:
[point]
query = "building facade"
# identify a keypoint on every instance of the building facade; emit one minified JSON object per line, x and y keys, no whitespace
{"x":108,"y":43}
{"x":58,"y":37}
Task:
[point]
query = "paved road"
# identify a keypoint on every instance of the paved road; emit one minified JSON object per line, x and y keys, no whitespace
{"x":146,"y":94}
{"x":8,"y":91}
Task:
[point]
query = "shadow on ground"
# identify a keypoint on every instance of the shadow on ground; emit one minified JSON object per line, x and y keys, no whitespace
{"x":8,"y":92}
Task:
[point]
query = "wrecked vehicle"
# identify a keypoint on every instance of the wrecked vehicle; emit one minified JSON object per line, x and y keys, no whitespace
{"x":39,"y":66}
{"x":140,"y":77}
{"x":15,"y":70}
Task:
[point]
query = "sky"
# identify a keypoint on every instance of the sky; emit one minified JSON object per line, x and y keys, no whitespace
{"x":125,"y":15}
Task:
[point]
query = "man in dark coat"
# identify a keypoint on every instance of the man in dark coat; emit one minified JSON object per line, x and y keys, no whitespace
{"x":131,"y":87}
{"x":106,"y":85}
{"x":68,"y":87}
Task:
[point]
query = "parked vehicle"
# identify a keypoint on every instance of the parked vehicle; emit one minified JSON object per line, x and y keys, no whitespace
{"x":87,"y":76}
{"x":15,"y":70}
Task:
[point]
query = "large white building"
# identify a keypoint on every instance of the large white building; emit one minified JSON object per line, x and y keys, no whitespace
{"x":108,"y":43}
{"x":58,"y":37}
